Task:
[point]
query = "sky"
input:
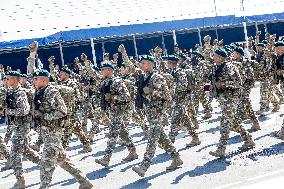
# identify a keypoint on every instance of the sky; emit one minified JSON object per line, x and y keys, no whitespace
{"x":25,"y":19}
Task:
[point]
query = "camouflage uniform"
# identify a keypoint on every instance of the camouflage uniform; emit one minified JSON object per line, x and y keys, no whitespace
{"x":49,"y":111}
{"x":244,"y":105}
{"x":189,"y":101}
{"x":227,"y":74}
{"x":201,"y":71}
{"x":93,"y":90}
{"x":264,"y":75}
{"x":89,"y":83}
{"x":155,"y":92}
{"x":180,"y":116}
{"x":279,"y":69}
{"x":72,"y":123}
{"x":115,"y":99}
{"x":3,"y":150}
{"x":17,"y":114}
{"x":130,"y":81}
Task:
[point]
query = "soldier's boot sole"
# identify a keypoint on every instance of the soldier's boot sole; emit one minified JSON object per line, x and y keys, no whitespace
{"x":193,"y":143}
{"x":102,"y":162}
{"x":86,"y":149}
{"x":175,"y":164}
{"x":217,"y":154}
{"x":20,"y":184}
{"x":141,"y":172}
{"x":86,"y":185}
{"x":131,"y":157}
{"x":278,"y":134}
{"x":245,"y":146}
{"x":254,"y":129}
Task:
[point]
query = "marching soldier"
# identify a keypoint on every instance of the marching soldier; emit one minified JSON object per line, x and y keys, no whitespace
{"x":17,"y":110}
{"x":115,"y":99}
{"x":279,"y":68}
{"x":152,"y":95}
{"x":180,"y":115}
{"x":49,"y":110}
{"x":72,"y":123}
{"x":226,"y":83}
{"x":244,"y":105}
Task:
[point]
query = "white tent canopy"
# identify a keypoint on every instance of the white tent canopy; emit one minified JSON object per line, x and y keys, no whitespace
{"x":21,"y":19}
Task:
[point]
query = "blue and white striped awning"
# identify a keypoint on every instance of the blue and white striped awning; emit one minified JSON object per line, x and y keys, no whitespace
{"x":50,"y":21}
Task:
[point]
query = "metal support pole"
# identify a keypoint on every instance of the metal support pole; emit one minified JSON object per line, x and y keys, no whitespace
{"x":135,"y":47}
{"x":174,"y":37}
{"x":163,"y":41}
{"x":216,"y":32}
{"x":199,"y":36}
{"x":61,"y":54}
{"x":245,"y":32}
{"x":103,"y":48}
{"x":215,"y":8}
{"x":93,"y":51}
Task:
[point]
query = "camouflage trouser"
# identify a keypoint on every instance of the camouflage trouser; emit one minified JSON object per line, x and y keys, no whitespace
{"x":73,"y":125}
{"x":54,"y":154}
{"x":277,"y":91}
{"x":92,"y":111}
{"x":20,"y":147}
{"x":282,"y":86}
{"x":142,"y":116}
{"x":117,"y":128}
{"x":157,"y":136}
{"x":3,"y":150}
{"x":228,"y":119}
{"x":245,"y":107}
{"x":266,"y":95}
{"x":180,"y":118}
{"x":200,"y":96}
{"x":191,"y":111}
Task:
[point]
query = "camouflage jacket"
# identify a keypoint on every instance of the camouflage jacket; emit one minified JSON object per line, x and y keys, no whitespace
{"x":17,"y":106}
{"x":228,"y":74}
{"x":48,"y":107}
{"x":246,"y":72}
{"x":114,"y":94}
{"x":263,"y":67}
{"x":159,"y":90}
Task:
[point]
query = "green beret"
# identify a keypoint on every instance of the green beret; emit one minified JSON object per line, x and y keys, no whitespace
{"x":221,"y":52}
{"x":149,"y":58}
{"x":182,"y":55}
{"x":172,"y":58}
{"x":228,"y":48}
{"x":24,"y":75}
{"x":260,"y":45}
{"x":43,"y":73}
{"x":96,"y":68}
{"x":13,"y":73}
{"x":66,"y":70}
{"x":232,"y":46}
{"x":107,"y":65}
{"x":196,"y":53}
{"x":279,"y":44}
{"x":239,"y":50}
{"x":264,"y":42}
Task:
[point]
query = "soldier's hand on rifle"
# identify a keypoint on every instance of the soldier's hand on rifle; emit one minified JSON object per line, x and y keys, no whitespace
{"x":280,"y":72}
{"x":147,"y":90}
{"x":219,"y":84}
{"x":110,"y":98}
